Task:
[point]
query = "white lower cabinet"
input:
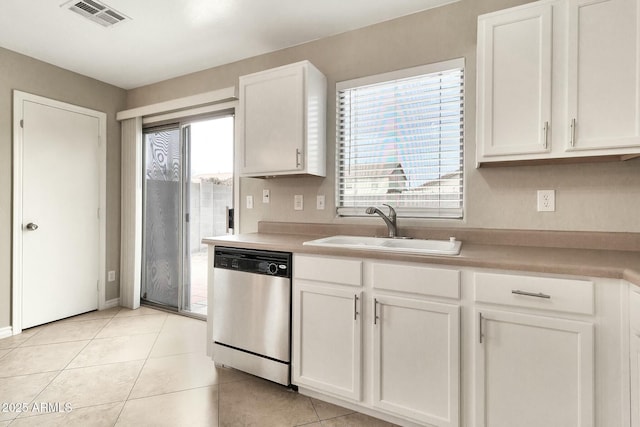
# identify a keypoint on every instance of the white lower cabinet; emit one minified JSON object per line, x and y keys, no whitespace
{"x":383,"y":348}
{"x":533,"y":371}
{"x":327,"y":325}
{"x":327,"y":338}
{"x":634,"y":359}
{"x":634,"y":354}
{"x":416,"y":359}
{"x":424,"y":345}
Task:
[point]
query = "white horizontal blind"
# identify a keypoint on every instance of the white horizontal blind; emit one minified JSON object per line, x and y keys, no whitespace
{"x":400,"y":142}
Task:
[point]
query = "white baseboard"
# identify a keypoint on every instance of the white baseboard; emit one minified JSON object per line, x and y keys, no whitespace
{"x":6,"y":332}
{"x":112,"y":303}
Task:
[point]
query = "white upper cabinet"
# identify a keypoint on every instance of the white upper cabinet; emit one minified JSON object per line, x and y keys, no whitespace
{"x":283,"y":121}
{"x":514,"y":81}
{"x":558,"y":80}
{"x":603,"y":88}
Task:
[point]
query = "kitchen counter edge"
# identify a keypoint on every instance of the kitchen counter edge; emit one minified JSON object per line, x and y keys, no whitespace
{"x":581,"y":262}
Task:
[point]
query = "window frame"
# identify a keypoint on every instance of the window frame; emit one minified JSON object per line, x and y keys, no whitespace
{"x":425,"y":213}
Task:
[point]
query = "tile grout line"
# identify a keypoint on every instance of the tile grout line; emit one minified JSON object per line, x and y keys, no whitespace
{"x":59,"y":371}
{"x":314,"y":409}
{"x":25,"y":344}
{"x":173,"y":392}
{"x":89,"y":341}
{"x":141,"y":369}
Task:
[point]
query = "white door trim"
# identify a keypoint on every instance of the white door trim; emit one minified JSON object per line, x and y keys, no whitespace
{"x":16,"y":281}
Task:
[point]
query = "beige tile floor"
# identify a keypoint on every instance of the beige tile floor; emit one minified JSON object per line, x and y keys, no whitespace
{"x":142,"y":367}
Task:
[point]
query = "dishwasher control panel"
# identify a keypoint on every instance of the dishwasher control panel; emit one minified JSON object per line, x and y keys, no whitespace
{"x":271,"y":263}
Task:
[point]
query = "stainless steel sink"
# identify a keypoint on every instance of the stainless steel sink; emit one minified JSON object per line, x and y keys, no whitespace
{"x":409,"y":246}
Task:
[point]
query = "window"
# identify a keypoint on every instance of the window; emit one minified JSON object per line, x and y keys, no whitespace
{"x":400,"y":141}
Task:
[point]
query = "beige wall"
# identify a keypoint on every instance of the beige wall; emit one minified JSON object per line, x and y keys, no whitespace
{"x":36,"y":77}
{"x":603,"y":197}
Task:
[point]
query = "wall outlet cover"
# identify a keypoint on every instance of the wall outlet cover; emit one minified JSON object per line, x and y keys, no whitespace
{"x":249,"y":202}
{"x":111,"y":276}
{"x":546,"y":200}
{"x":298,"y":202}
{"x":320,"y":202}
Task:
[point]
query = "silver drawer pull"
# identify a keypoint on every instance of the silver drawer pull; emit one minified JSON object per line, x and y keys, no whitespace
{"x":531,"y":294}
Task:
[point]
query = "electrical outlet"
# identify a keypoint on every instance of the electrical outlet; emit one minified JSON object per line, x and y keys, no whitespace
{"x":546,"y":200}
{"x":320,"y":202}
{"x":265,"y":196}
{"x":298,"y":202}
{"x":111,"y":276}
{"x":249,"y":202}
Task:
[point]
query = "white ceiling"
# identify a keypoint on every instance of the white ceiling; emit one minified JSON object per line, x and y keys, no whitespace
{"x":169,"y":38}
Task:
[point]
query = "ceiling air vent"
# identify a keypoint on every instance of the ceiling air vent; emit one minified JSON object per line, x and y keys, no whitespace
{"x":97,"y":12}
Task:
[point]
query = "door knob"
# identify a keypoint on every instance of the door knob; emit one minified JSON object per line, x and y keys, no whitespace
{"x":31,"y":226}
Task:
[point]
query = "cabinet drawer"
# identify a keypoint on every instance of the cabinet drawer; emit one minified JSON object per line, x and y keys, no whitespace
{"x":416,"y":279}
{"x":332,"y":270}
{"x":634,"y":310}
{"x":544,"y":293}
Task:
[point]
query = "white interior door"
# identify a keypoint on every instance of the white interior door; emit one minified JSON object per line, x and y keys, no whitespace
{"x":61,"y":197}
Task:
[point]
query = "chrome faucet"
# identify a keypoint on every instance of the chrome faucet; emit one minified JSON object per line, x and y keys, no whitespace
{"x":389,"y":220}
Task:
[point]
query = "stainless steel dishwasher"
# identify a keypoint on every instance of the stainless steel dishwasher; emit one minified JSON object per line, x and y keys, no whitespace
{"x":252,"y":312}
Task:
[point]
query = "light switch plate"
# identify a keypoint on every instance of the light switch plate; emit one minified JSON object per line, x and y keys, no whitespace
{"x":298,"y":202}
{"x":320,"y":202}
{"x":111,"y":276}
{"x":266,"y":196}
{"x":249,"y":202}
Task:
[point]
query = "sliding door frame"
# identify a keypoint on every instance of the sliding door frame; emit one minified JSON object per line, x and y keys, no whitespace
{"x":219,"y":101}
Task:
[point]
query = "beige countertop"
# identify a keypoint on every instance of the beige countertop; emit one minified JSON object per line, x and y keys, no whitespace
{"x":582,"y":262}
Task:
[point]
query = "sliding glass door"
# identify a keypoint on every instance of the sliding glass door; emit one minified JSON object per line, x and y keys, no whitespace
{"x":188,"y":188}
{"x":209,"y":192}
{"x":162,"y":216}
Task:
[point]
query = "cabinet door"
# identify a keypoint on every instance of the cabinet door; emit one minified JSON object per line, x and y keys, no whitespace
{"x":533,"y":371}
{"x":635,"y":378}
{"x":327,"y":339}
{"x":514,"y":81}
{"x":416,"y":359}
{"x":604,"y":108}
{"x":634,"y":355}
{"x":272,"y":105}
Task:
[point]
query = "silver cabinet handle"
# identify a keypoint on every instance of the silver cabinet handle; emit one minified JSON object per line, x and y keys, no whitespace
{"x":530,"y":294}
{"x":298,"y":158}
{"x":480,"y":327}
{"x":31,"y":226}
{"x":545,"y":130}
{"x":573,"y":132}
{"x":375,"y":311}
{"x":355,"y":307}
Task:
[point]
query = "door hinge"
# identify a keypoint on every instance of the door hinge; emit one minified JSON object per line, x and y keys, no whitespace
{"x":186,"y":217}
{"x":22,"y":124}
